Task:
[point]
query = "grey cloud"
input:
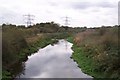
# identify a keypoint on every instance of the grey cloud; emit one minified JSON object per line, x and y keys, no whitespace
{"x":106,"y":5}
{"x":86,"y":5}
{"x":9,"y":16}
{"x":53,"y":3}
{"x":81,"y":5}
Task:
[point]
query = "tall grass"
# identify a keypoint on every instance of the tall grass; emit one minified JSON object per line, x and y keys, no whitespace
{"x":102,"y":46}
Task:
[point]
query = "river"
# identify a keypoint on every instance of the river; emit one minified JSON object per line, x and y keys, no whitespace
{"x":53,"y":61}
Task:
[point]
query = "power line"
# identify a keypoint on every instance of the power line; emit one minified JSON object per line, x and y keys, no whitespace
{"x":29,"y":19}
{"x":66,"y":21}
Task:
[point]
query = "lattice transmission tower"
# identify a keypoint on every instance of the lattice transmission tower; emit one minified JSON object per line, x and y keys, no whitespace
{"x":29,"y":19}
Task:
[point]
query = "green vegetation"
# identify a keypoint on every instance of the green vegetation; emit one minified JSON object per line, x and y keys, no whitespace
{"x":21,"y":41}
{"x":16,"y":49}
{"x":97,"y":52}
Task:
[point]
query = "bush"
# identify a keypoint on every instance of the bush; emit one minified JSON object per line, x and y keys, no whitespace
{"x":13,"y":42}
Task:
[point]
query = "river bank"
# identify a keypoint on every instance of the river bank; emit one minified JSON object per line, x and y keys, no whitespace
{"x":10,"y":73}
{"x":85,"y":63}
{"x":19,"y":41}
{"x":97,"y":54}
{"x":13,"y":69}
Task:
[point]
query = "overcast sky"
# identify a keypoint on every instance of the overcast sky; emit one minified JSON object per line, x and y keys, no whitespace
{"x":91,"y":13}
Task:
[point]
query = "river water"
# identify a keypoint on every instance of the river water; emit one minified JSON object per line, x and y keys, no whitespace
{"x":53,"y":61}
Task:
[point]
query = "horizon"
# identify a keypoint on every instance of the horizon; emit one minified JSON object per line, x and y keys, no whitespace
{"x":61,"y":25}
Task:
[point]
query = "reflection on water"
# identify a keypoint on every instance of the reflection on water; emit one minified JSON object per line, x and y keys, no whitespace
{"x":53,"y":62}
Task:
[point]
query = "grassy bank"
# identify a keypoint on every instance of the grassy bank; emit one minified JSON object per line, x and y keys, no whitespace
{"x":83,"y":61}
{"x":97,"y":52}
{"x":19,"y":43}
{"x":17,"y":46}
{"x":9,"y":72}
